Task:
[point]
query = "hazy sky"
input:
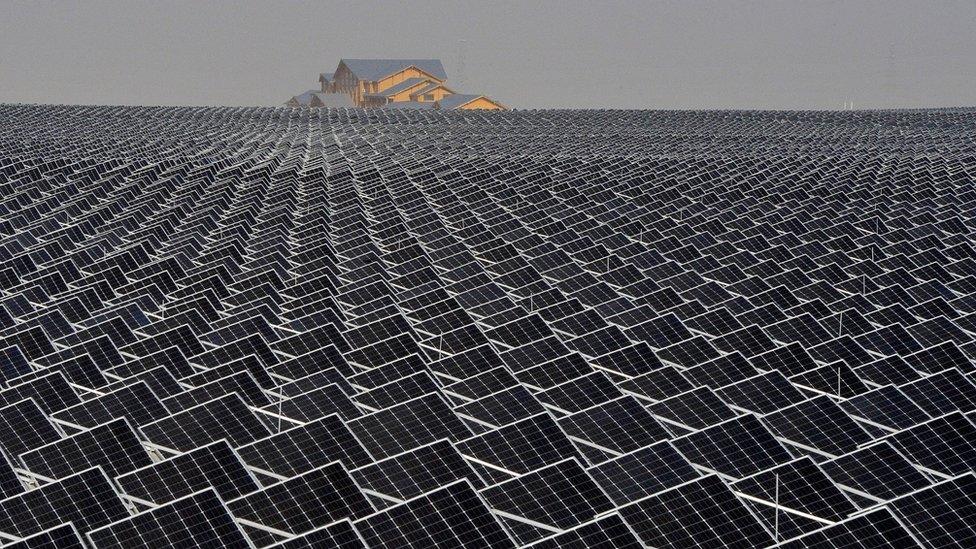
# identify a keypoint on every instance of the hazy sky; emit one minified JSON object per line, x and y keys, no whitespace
{"x":528,"y":53}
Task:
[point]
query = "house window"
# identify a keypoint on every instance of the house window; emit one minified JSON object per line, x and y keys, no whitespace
{"x":428,"y":97}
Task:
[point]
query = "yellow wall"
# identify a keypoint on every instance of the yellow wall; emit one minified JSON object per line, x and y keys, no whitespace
{"x":405,"y":94}
{"x":439,"y":93}
{"x":405,"y":74}
{"x":343,"y":81}
{"x":482,"y":103}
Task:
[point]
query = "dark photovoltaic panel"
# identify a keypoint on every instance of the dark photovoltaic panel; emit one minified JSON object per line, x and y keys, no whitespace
{"x":520,"y":447}
{"x":416,"y":472}
{"x":112,"y":446}
{"x":940,"y":515}
{"x":59,"y":537}
{"x":609,"y":531}
{"x":796,"y":498}
{"x":341,"y":535}
{"x":306,"y":447}
{"x":702,"y":513}
{"x":878,"y":471}
{"x":23,"y":427}
{"x":559,"y":497}
{"x":737,"y":448}
{"x":441,"y":309}
{"x":452,"y":516}
{"x":618,"y":426}
{"x":409,"y":425}
{"x":214,"y":466}
{"x":88,"y":500}
{"x":643,"y":472}
{"x":877,"y":528}
{"x":303,"y":502}
{"x":225,"y":417}
{"x":198,"y":520}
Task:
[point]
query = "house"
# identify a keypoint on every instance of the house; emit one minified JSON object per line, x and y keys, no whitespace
{"x":313,"y":98}
{"x":410,"y":105}
{"x":358,"y":77}
{"x":431,"y":92}
{"x":460,"y":101}
{"x":325,"y":79}
{"x":395,"y":83}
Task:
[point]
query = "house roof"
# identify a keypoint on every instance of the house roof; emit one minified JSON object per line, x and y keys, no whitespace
{"x":327,"y":99}
{"x":335,"y":99}
{"x":456,"y":100}
{"x":429,"y":87}
{"x":409,"y":105}
{"x":326,"y":76}
{"x":376,"y":69}
{"x":305,"y":98}
{"x":405,"y":85}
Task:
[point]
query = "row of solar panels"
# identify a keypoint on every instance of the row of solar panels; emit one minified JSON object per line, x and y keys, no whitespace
{"x":480,"y":349}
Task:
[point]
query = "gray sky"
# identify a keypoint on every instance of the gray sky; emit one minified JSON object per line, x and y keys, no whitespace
{"x":527,"y":54}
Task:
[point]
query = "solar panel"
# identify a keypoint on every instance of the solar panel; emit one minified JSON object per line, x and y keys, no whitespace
{"x":608,"y":531}
{"x":250,"y":296}
{"x":878,"y":472}
{"x":398,"y":391}
{"x":943,"y":445}
{"x":691,"y":410}
{"x":303,"y":502}
{"x":614,"y":428}
{"x":553,"y":498}
{"x":580,"y":393}
{"x":409,"y":425}
{"x":795,"y":498}
{"x":520,"y":447}
{"x":113,"y":446}
{"x":761,"y":394}
{"x":225,"y":417}
{"x":215,"y":466}
{"x":738,"y":447}
{"x":501,"y":408}
{"x":887,"y":409}
{"x":50,"y":391}
{"x":938,"y":515}
{"x":317,"y":403}
{"x":197,"y":520}
{"x":137,"y":403}
{"x":87,"y":499}
{"x":64,"y":536}
{"x":877,"y":528}
{"x":818,"y":424}
{"x":483,"y":384}
{"x":453,"y":516}
{"x":306,"y":447}
{"x":341,"y":535}
{"x":643,"y":472}
{"x":700,"y":513}
{"x":15,"y":437}
{"x":942,"y":393}
{"x":416,"y":472}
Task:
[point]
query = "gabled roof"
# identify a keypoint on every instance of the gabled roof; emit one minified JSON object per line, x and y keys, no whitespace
{"x":326,"y":76}
{"x":305,"y":98}
{"x":405,"y":85}
{"x":430,"y":87}
{"x":335,"y":99}
{"x":377,"y":69}
{"x":315,"y":98}
{"x":409,"y":105}
{"x":456,"y":100}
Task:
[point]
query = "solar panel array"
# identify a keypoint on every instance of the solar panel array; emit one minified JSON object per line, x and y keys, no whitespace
{"x":293,"y":328}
